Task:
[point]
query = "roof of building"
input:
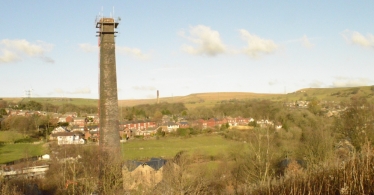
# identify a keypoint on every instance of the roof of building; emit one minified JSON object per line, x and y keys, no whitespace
{"x":170,"y":123}
{"x":155,"y":163}
{"x":66,"y":134}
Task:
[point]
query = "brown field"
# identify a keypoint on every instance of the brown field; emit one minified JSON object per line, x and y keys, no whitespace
{"x":210,"y":99}
{"x":199,"y":99}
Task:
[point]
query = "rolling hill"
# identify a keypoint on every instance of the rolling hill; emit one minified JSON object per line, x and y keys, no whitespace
{"x":210,"y":99}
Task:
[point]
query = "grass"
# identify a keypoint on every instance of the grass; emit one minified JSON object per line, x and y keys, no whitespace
{"x":354,"y":176}
{"x":11,"y":152}
{"x":209,"y":145}
{"x":10,"y":136}
{"x":62,"y":101}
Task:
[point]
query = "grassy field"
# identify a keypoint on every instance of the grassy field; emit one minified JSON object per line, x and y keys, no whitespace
{"x":11,"y":152}
{"x":10,"y":136}
{"x":209,"y":145}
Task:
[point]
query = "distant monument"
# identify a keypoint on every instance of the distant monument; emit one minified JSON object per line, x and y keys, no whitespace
{"x":109,"y":138}
{"x":158,"y":96}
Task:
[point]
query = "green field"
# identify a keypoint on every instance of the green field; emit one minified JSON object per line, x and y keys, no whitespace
{"x":11,"y":152}
{"x":208,"y":145}
{"x":10,"y":136}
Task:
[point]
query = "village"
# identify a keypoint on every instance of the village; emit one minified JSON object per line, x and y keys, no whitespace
{"x":71,"y":128}
{"x":79,"y":130}
{"x":75,"y":129}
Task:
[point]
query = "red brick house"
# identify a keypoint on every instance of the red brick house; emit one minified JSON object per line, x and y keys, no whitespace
{"x":65,"y":119}
{"x":72,"y":114}
{"x":133,"y":125}
{"x":183,"y":124}
{"x":201,"y":123}
{"x":213,"y":122}
{"x":80,"y":121}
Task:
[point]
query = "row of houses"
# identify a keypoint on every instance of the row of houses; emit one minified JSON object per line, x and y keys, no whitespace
{"x":69,"y":117}
{"x":167,"y":121}
{"x":81,"y":131}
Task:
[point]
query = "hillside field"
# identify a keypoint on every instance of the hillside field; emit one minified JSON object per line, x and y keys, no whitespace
{"x":211,"y":99}
{"x":213,"y":145}
{"x":11,"y":152}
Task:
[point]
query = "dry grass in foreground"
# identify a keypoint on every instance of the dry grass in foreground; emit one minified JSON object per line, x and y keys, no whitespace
{"x":355,"y":176}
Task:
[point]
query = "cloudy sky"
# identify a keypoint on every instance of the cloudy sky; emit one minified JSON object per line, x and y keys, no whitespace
{"x":184,"y":47}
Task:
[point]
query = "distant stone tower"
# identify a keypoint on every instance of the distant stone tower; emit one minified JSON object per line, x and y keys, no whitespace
{"x":108,"y":103}
{"x":158,"y":96}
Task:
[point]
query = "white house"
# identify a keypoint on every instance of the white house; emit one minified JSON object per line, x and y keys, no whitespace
{"x":46,"y":157}
{"x":69,"y":138}
{"x":147,"y":132}
{"x":171,"y":126}
{"x":59,"y":130}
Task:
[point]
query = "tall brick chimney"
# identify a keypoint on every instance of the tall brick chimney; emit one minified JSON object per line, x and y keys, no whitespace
{"x":158,"y":96}
{"x":109,"y":139}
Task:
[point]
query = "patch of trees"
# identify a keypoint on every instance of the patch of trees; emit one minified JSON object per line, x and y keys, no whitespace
{"x":30,"y":105}
{"x":259,"y":109}
{"x":18,"y":123}
{"x":2,"y":112}
{"x":203,"y":112}
{"x":48,"y":107}
{"x":75,"y":108}
{"x":3,"y":104}
{"x":314,"y":106}
{"x":154,"y":111}
{"x":34,"y":125}
{"x":356,"y":123}
{"x":299,"y":118}
{"x":346,"y":93}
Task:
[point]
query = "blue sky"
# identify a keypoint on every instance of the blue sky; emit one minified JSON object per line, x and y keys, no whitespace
{"x":185,"y":47}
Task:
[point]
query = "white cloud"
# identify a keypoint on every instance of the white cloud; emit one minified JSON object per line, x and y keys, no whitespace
{"x":350,"y":82}
{"x":167,"y":67}
{"x":58,"y":91}
{"x":86,"y":47}
{"x":84,"y":90}
{"x":24,"y":46}
{"x":47,"y":59}
{"x":305,"y":42}
{"x":274,"y":82}
{"x":257,"y":45}
{"x":134,"y":52}
{"x":206,"y":40}
{"x":316,"y":84}
{"x":19,"y":48}
{"x":144,"y":88}
{"x":358,"y":39}
{"x":150,"y":96}
{"x":8,"y":56}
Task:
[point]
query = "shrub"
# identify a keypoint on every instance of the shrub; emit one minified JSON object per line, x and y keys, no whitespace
{"x":183,"y":132}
